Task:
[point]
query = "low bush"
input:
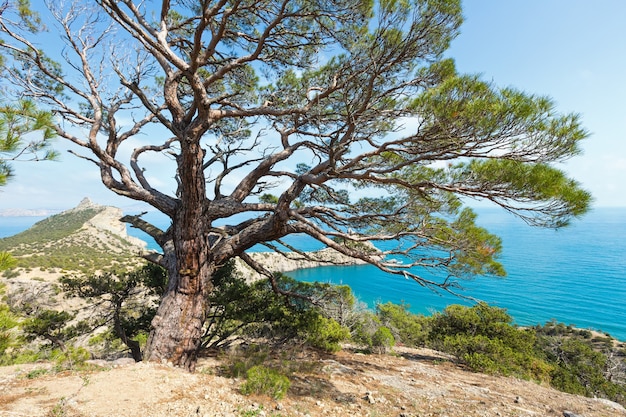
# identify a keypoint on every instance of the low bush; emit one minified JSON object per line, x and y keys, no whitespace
{"x":407,"y":328}
{"x":257,"y":310}
{"x":49,"y":325}
{"x":70,"y":358}
{"x":239,"y":361}
{"x":266,"y":381}
{"x":383,"y":340}
{"x":483,"y":338}
{"x":324,"y":333}
{"x":364,"y":328}
{"x":582,"y":365}
{"x":8,"y":322}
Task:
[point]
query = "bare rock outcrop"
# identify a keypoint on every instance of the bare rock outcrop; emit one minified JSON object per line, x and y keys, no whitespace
{"x":107,"y":224}
{"x":291,"y":261}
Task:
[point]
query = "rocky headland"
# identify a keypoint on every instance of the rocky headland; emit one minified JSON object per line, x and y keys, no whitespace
{"x":105,"y":224}
{"x":292,"y":261}
{"x":101,"y":228}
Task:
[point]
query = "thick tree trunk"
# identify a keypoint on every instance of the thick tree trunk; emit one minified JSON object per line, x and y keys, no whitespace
{"x":177,"y":327}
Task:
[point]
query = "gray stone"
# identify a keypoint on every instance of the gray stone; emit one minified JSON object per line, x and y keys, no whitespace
{"x":369,"y":398}
{"x":123,"y":362}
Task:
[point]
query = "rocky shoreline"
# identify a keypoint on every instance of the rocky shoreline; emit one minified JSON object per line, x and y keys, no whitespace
{"x":291,"y":261}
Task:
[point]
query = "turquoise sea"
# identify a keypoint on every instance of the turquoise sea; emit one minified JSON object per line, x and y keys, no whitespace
{"x":575,"y":275}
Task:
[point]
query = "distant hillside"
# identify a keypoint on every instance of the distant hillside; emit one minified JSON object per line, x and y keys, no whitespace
{"x":86,"y":238}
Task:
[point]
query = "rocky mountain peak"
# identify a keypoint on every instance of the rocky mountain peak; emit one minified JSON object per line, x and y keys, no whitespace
{"x":85,"y":203}
{"x":105,"y":220}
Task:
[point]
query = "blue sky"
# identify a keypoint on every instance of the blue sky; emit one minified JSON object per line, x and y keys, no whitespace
{"x":571,"y":50}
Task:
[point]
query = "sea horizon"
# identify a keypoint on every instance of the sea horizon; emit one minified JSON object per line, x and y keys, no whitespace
{"x":573,"y":275}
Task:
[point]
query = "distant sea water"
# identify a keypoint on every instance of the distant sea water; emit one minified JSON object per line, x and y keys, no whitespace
{"x":575,"y":275}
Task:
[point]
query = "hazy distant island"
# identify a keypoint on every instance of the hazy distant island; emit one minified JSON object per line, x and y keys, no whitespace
{"x":27,"y":212}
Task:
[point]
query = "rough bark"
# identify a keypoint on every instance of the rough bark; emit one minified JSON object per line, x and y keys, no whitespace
{"x":177,"y":326}
{"x":177,"y":329}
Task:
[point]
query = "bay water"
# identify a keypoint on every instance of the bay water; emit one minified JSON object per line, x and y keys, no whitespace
{"x":575,"y":275}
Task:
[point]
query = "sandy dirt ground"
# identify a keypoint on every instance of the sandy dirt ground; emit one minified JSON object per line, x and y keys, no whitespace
{"x":409,"y":383}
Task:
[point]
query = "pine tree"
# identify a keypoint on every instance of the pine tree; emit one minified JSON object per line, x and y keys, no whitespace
{"x":341,"y":120}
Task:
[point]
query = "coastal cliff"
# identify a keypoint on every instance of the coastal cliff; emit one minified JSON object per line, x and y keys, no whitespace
{"x":292,"y":261}
{"x":105,"y":224}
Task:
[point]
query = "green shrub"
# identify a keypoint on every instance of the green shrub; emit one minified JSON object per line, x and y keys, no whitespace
{"x":383,"y":340}
{"x":6,"y":261}
{"x":257,"y":310}
{"x":581,"y":369}
{"x":262,"y":380}
{"x":481,"y":319}
{"x":240,"y":361}
{"x":22,"y":355}
{"x":8,"y":321}
{"x":407,"y":328}
{"x":125,"y":302}
{"x":482,"y":338}
{"x":325,"y":334}
{"x":36,"y":373}
{"x":70,"y":358}
{"x":364,"y":328}
{"x":10,"y":273}
{"x":49,"y":325}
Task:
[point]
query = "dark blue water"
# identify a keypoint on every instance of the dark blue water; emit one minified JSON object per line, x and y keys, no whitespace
{"x":575,"y":275}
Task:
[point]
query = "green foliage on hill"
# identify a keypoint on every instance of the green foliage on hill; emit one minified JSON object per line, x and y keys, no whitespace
{"x":408,"y":329}
{"x":57,"y":243}
{"x":8,"y":322}
{"x":583,"y":364}
{"x":49,"y":230}
{"x":303,"y":312}
{"x":263,"y":380}
{"x":124,"y":302}
{"x":6,"y":261}
{"x":481,"y":338}
{"x":74,"y":256}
